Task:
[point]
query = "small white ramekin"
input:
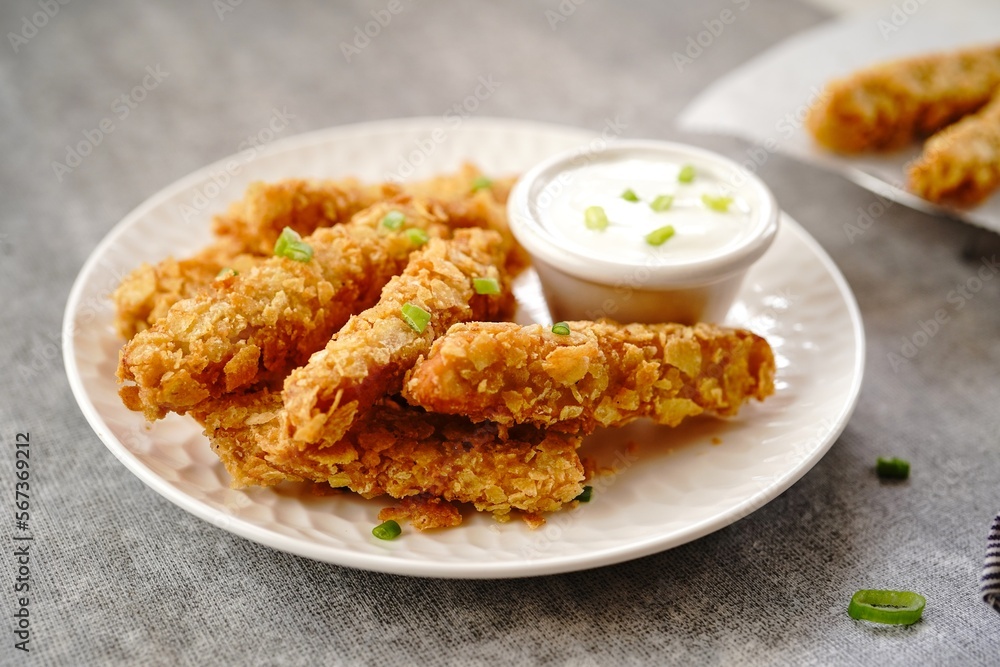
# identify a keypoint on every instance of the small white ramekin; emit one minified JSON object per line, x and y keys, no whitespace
{"x":578,"y":286}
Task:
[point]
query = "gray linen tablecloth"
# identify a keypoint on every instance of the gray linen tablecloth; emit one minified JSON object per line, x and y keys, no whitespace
{"x":121,"y":576}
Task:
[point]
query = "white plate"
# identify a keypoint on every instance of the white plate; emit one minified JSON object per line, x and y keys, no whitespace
{"x":675,"y":488}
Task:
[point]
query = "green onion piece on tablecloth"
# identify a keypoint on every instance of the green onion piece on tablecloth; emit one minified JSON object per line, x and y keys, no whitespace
{"x":889,"y":607}
{"x":892,"y":468}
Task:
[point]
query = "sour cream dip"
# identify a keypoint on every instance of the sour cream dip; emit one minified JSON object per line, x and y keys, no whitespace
{"x":643,"y":231}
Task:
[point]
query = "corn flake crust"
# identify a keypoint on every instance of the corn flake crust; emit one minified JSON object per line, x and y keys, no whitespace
{"x":601,"y":374}
{"x":404,"y":452}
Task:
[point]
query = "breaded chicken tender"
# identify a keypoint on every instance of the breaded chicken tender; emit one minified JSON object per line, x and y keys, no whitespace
{"x":600,"y":374}
{"x":235,"y":427}
{"x":304,"y":205}
{"x":889,"y":105}
{"x":255,"y":327}
{"x":251,"y":227}
{"x":403,"y":452}
{"x":484,"y":210}
{"x":960,"y":165}
{"x":147,"y":293}
{"x":369,"y":356}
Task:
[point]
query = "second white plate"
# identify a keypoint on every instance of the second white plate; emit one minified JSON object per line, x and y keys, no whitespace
{"x":670,"y":486}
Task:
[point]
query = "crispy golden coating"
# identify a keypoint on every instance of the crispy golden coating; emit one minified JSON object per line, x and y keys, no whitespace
{"x":889,"y":105}
{"x":255,"y":222}
{"x":403,"y":452}
{"x":485,"y":211}
{"x":601,"y":374}
{"x":424,"y":512}
{"x":305,"y":205}
{"x":236,"y":426}
{"x":148,"y":292}
{"x":251,"y":226}
{"x":256,"y":326}
{"x":369,"y":356}
{"x":473,"y":200}
{"x":960,"y":165}
{"x":465,"y":181}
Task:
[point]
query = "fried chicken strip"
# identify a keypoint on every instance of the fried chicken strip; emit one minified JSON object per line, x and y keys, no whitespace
{"x":468,"y":179}
{"x":403,"y":452}
{"x":249,"y":230}
{"x":305,"y":205}
{"x":469,"y":194}
{"x":235,"y":427}
{"x":601,"y":374}
{"x":369,"y":356}
{"x":257,"y":326}
{"x":889,"y":105}
{"x":960,"y":165}
{"x":147,"y":293}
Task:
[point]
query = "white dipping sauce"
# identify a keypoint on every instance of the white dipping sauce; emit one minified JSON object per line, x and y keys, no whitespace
{"x":699,"y":232}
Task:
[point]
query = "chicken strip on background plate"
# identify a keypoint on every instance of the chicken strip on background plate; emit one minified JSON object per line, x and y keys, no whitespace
{"x":889,"y":105}
{"x":960,"y":165}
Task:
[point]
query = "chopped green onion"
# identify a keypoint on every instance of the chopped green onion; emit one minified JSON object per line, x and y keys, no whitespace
{"x":892,"y":468}
{"x":584,"y":497}
{"x":393,"y":220}
{"x":630,"y":195}
{"x":660,"y":236}
{"x":560,"y":329}
{"x":417,"y":237}
{"x":481,"y":183}
{"x":291,"y":246}
{"x":718,"y":203}
{"x":416,"y":317}
{"x":595,"y":218}
{"x":662,"y":203}
{"x":387,"y":530}
{"x":686,"y":174}
{"x":226,"y":272}
{"x":486,"y":285}
{"x":890,"y":607}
